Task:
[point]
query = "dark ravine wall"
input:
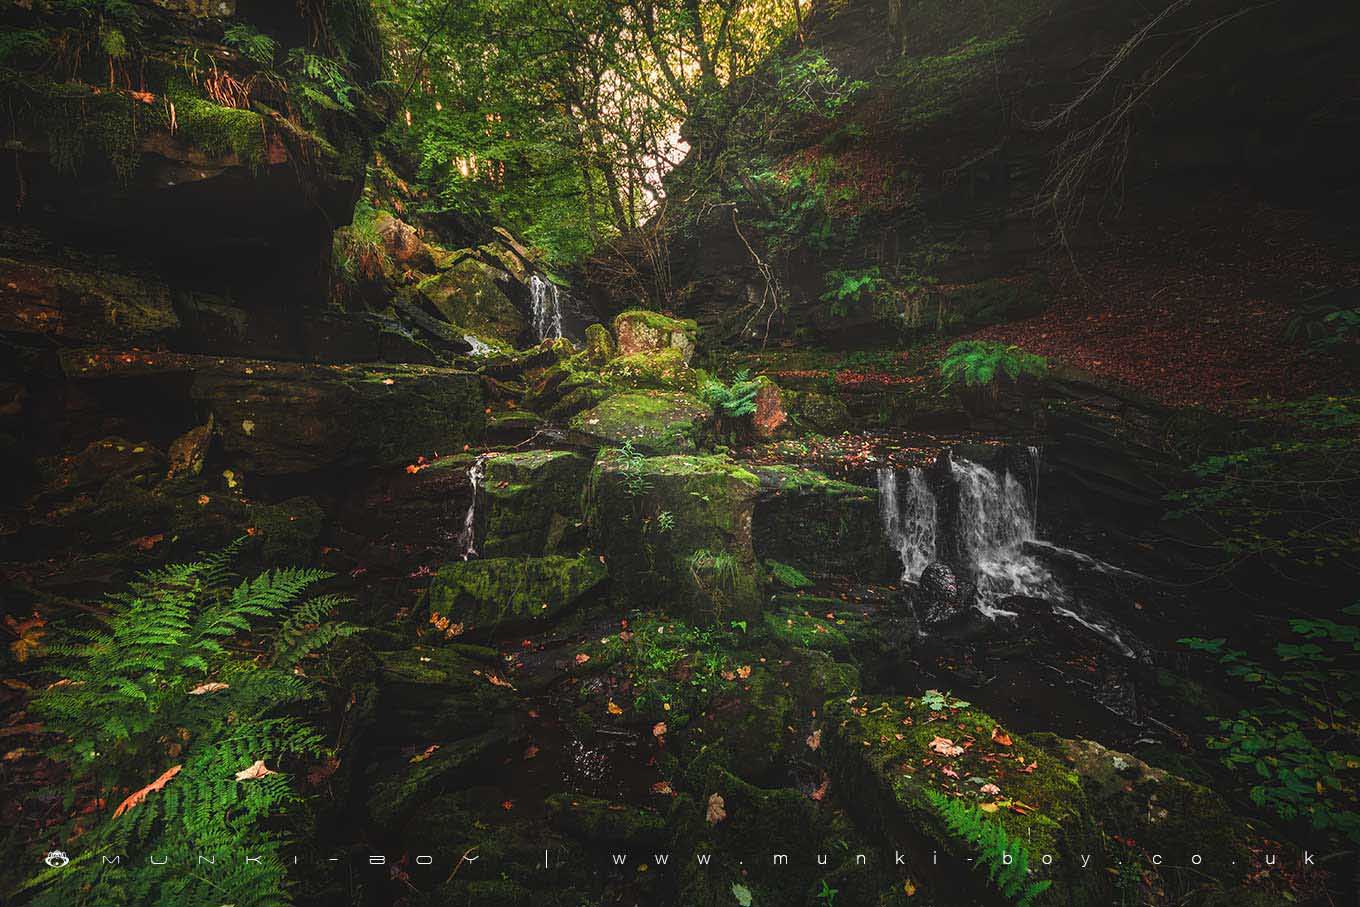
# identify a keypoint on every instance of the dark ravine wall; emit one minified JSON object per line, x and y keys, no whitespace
{"x":947,"y":165}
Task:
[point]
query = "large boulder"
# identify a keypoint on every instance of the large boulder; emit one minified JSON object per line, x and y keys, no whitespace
{"x":940,"y":596}
{"x":469,"y":295}
{"x":819,"y":524}
{"x":512,"y":592}
{"x":654,"y":421}
{"x":643,"y":331}
{"x":531,"y":502}
{"x":678,"y":527}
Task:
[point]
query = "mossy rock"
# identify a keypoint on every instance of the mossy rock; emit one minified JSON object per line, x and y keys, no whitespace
{"x":600,"y":346}
{"x":439,"y":692}
{"x":653,"y":421}
{"x":678,"y":526}
{"x":78,"y":306}
{"x":280,"y":418}
{"x":531,"y":502}
{"x":820,"y":525}
{"x":402,"y":784}
{"x":794,"y":627}
{"x":884,"y":756}
{"x":469,"y":296}
{"x":135,"y":461}
{"x":814,"y":411}
{"x":663,"y":369}
{"x":600,"y":821}
{"x":512,"y":592}
{"x":643,"y":331}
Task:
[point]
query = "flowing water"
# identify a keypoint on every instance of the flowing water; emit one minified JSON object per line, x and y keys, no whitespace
{"x":909,"y":520}
{"x":467,"y":539}
{"x":997,"y":535}
{"x":547,"y":308}
{"x":478,"y":347}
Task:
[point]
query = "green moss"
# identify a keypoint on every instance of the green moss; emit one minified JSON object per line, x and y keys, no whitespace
{"x":533,"y":502}
{"x":656,"y":321}
{"x":487,"y":594}
{"x":600,"y":346}
{"x":664,"y":369}
{"x":468,"y":296}
{"x":798,"y":628}
{"x":659,"y":421}
{"x":820,"y":525}
{"x":216,"y":130}
{"x":605,"y":821}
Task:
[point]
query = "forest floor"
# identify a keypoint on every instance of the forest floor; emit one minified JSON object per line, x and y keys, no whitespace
{"x":1194,"y":312}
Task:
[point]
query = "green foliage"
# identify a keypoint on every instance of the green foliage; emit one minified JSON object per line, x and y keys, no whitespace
{"x":826,"y":894}
{"x":993,"y":844}
{"x":320,"y":81}
{"x":846,"y":289}
{"x":131,"y":704}
{"x":1287,"y":489}
{"x":789,"y":577}
{"x":1301,"y":746}
{"x":217,"y":130}
{"x":938,"y":702}
{"x":676,"y":664}
{"x":735,"y":400}
{"x":1328,"y":323}
{"x":790,"y":91}
{"x":635,"y":484}
{"x":22,"y":45}
{"x":358,"y":249}
{"x":742,"y":894}
{"x":980,"y":362}
{"x":930,"y":88}
{"x":258,"y":48}
{"x":718,"y":570}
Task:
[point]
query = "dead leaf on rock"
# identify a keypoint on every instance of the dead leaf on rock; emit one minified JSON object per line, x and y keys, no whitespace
{"x":716,"y":809}
{"x":814,"y":739}
{"x":663,"y":787}
{"x":613,"y":708}
{"x":945,"y":747}
{"x":1000,"y":737}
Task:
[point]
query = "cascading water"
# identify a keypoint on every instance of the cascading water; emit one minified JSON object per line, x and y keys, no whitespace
{"x":467,"y":539}
{"x":908,"y":520}
{"x":478,"y":347}
{"x":547,"y":308}
{"x":995,"y":521}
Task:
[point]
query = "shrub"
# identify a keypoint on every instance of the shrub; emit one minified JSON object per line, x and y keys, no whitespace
{"x":981,"y":362}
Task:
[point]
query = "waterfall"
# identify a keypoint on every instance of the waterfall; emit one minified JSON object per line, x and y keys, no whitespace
{"x":995,"y":521}
{"x":1036,"y":460}
{"x":547,"y":308}
{"x":467,"y":539}
{"x":908,"y":520}
{"x":478,"y":347}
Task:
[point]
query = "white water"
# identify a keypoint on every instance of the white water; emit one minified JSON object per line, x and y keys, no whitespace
{"x":995,"y":521}
{"x":547,"y":308}
{"x":908,"y":520}
{"x":997,"y":534}
{"x":478,"y":347}
{"x":467,"y":539}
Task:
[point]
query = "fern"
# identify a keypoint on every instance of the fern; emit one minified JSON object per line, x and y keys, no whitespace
{"x":989,"y":837}
{"x":788,"y":576}
{"x":126,"y":712}
{"x":980,"y":362}
{"x":735,"y":400}
{"x":251,"y":44}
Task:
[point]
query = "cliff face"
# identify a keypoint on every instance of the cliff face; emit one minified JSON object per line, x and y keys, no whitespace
{"x":944,"y":155}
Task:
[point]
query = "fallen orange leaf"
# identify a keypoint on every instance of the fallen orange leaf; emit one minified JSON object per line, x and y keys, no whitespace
{"x":140,"y":795}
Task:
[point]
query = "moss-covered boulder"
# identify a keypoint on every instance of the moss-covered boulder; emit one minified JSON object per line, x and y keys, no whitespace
{"x":600,"y":347}
{"x":815,"y":411}
{"x":599,"y":821}
{"x":439,"y":692}
{"x":678,"y":526}
{"x":654,"y":421}
{"x":512,"y":592}
{"x":469,"y":296}
{"x":664,"y":369}
{"x":531,"y":502}
{"x":819,"y":524}
{"x":891,"y":755}
{"x":643,"y":331}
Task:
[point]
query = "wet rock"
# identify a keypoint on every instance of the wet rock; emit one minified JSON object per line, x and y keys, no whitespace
{"x":110,"y":458}
{"x":532,"y":502}
{"x":600,"y":346}
{"x":403,"y":243}
{"x":641,"y":331}
{"x":819,"y":524}
{"x":823,"y":413}
{"x":600,"y":821}
{"x":940,"y":596}
{"x":679,"y":527}
{"x":512,"y":592}
{"x":654,"y":421}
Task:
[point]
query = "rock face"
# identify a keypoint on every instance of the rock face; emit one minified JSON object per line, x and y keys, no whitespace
{"x":469,"y":296}
{"x":532,"y":502}
{"x":819,"y":524}
{"x":513,"y":592}
{"x":641,"y":331}
{"x":79,"y":307}
{"x":680,"y":527}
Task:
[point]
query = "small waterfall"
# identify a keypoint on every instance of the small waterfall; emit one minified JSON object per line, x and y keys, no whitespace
{"x":478,"y":347}
{"x":547,"y":308}
{"x":995,"y":521}
{"x":908,"y":520}
{"x":1036,"y":460}
{"x":467,"y":539}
